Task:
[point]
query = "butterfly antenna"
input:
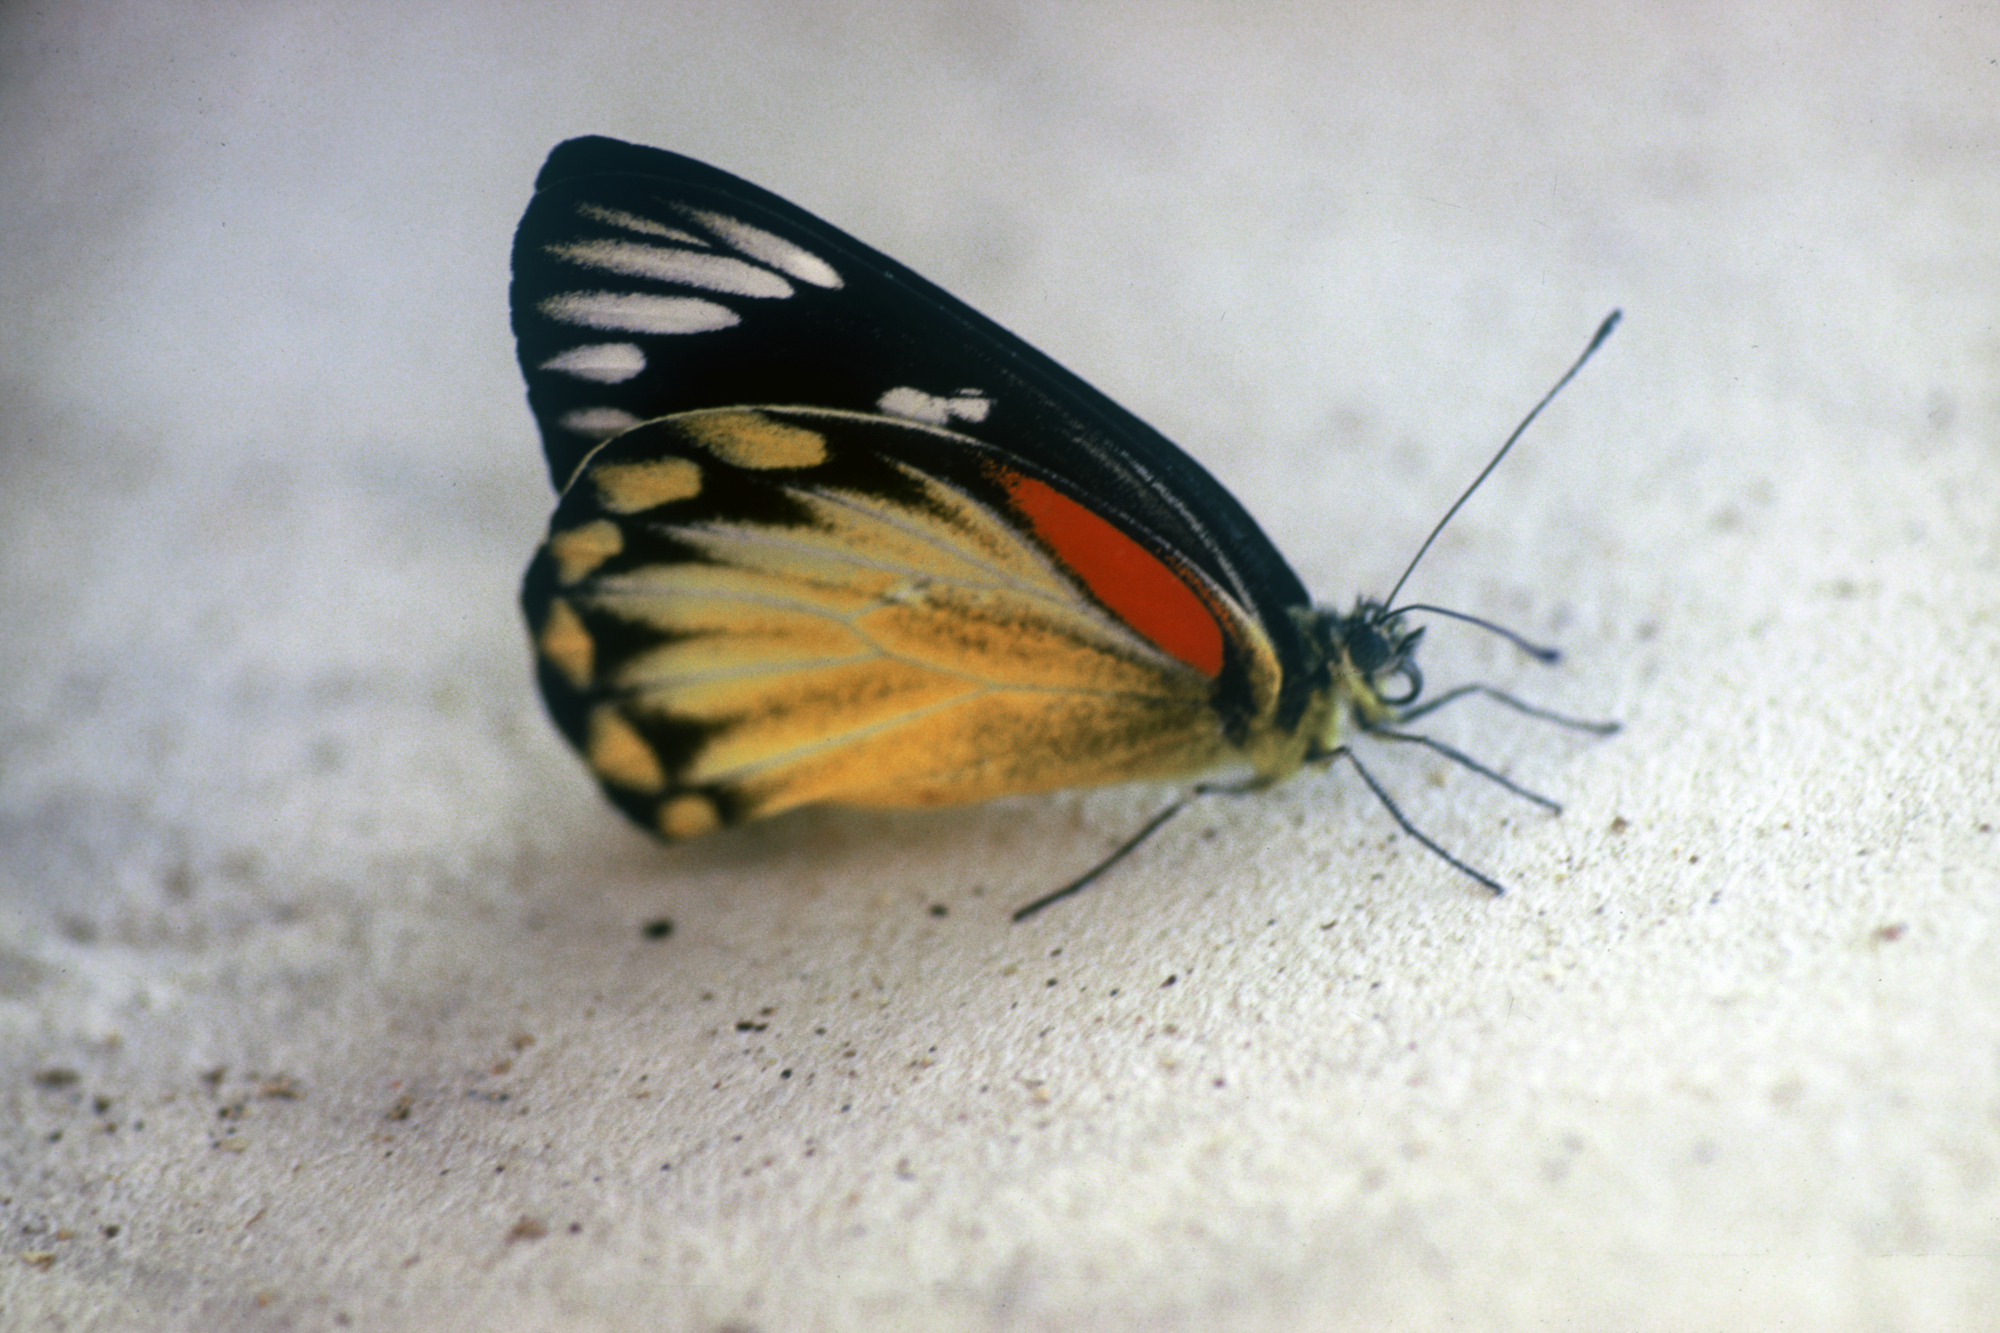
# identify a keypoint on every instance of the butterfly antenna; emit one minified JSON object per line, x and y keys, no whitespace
{"x":1603,"y":332}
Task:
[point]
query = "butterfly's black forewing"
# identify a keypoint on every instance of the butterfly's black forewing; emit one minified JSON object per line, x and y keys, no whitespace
{"x":646,"y":284}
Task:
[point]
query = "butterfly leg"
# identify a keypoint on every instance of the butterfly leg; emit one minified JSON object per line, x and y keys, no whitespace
{"x":1403,"y":822}
{"x":1132,"y":843}
{"x":1464,"y":760}
{"x":1518,"y":705}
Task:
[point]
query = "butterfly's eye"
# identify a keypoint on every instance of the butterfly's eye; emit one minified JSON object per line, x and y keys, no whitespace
{"x":1366,"y":646}
{"x":1383,"y":655}
{"x":1373,"y":639}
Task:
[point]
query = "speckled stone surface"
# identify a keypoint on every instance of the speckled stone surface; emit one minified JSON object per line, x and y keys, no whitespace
{"x":332,"y":995}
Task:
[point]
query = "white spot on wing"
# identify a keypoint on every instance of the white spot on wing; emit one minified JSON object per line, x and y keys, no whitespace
{"x":600,"y":423}
{"x":933,"y":409}
{"x":768,"y":248}
{"x":618,"y":217}
{"x":638,"y":312}
{"x":717,"y":273}
{"x":600,"y":363}
{"x":970,"y":405}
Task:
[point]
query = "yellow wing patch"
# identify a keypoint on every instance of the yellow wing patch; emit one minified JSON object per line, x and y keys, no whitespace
{"x":567,"y":644}
{"x":620,"y":755}
{"x":633,"y":488}
{"x":901,"y":646}
{"x":688,"y":815}
{"x":753,"y":440}
{"x":582,"y":549}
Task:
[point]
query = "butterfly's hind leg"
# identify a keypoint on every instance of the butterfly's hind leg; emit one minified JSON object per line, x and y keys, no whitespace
{"x":1133,"y":843}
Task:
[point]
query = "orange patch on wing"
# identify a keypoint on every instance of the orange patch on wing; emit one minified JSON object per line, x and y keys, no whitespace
{"x":1120,"y":573}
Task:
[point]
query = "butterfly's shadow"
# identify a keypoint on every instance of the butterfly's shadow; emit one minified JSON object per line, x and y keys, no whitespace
{"x":840,"y":859}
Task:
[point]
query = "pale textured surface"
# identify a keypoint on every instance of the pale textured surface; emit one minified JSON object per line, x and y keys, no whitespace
{"x":279,"y":813}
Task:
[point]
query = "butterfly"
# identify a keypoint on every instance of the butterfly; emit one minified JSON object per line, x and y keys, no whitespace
{"x":826,"y":535}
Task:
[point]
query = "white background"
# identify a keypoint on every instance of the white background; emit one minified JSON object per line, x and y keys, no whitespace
{"x":324,"y":978}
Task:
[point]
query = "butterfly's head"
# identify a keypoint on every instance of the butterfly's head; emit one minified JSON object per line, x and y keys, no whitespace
{"x":1373,"y":660}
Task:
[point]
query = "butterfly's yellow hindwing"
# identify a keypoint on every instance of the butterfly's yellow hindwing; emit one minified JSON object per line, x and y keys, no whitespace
{"x":743,"y":617}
